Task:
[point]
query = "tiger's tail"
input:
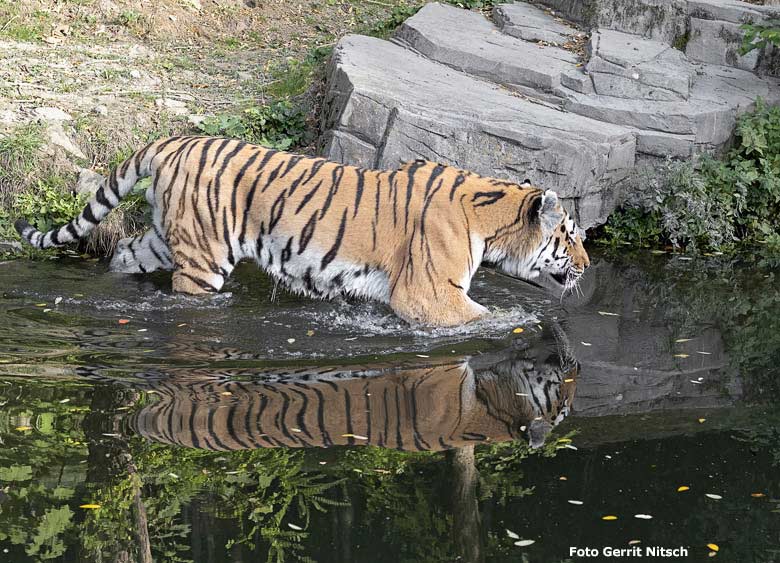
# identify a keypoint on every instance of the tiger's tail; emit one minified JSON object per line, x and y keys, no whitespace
{"x":118,"y":184}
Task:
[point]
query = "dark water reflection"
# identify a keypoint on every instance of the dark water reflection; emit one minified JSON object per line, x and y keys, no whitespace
{"x":236,"y":429}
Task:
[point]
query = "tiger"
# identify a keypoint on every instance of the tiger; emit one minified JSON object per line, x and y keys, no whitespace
{"x":418,"y":405}
{"x":411,"y":238}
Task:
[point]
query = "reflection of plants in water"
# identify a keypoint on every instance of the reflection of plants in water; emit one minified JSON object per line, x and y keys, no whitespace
{"x":263,"y":490}
{"x":739,"y":296}
{"x":41,"y":446}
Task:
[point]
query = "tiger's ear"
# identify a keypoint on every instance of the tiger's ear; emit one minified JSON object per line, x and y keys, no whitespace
{"x":549,"y":212}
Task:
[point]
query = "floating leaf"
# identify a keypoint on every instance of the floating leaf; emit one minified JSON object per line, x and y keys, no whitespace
{"x":309,"y":333}
{"x":713,"y":496}
{"x":606,"y":314}
{"x":704,"y":353}
{"x":680,"y":340}
{"x":40,"y":304}
{"x":512,"y":535}
{"x":422,"y":356}
{"x":682,"y":488}
{"x":570,"y":446}
{"x":564,"y":440}
{"x":643,"y":516}
{"x":290,"y":340}
{"x":609,"y":517}
{"x":713,"y":546}
{"x":682,"y":356}
{"x":563,"y":478}
{"x":524,"y":543}
{"x":123,"y":321}
{"x":634,"y":542}
{"x":356,"y":436}
{"x":577,"y":502}
{"x":90,"y":506}
{"x":696,"y":382}
{"x":294,"y":527}
{"x":23,"y":428}
{"x":757,"y":495}
{"x":518,"y":330}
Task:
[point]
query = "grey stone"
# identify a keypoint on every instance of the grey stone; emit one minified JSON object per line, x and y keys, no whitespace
{"x":51,"y":114}
{"x":456,"y":89}
{"x":627,"y":66}
{"x":100,"y":109}
{"x":418,"y":108}
{"x":530,"y":23}
{"x":468,"y":42}
{"x":89,"y":182}
{"x":10,"y":247}
{"x":176,"y":107}
{"x":59,"y":137}
{"x":718,"y":42}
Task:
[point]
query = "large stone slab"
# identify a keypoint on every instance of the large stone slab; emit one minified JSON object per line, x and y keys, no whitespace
{"x":627,"y":66}
{"x":469,"y":42}
{"x":530,"y":23}
{"x":386,"y":104}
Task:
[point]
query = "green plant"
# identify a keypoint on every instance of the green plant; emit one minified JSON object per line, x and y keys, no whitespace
{"x":722,"y":203}
{"x":48,"y":205}
{"x":758,"y":36}
{"x":279,"y":125}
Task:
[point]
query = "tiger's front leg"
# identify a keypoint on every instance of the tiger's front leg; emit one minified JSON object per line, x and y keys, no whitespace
{"x":443,"y":306}
{"x":198,"y":271}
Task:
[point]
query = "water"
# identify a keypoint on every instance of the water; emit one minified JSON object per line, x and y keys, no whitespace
{"x":137,"y":425}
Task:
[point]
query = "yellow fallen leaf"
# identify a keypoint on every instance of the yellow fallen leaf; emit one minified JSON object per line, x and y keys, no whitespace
{"x":682,"y":488}
{"x":609,"y":517}
{"x":40,"y":304}
{"x":757,"y":495}
{"x":712,"y":554}
{"x":701,"y":420}
{"x":679,"y":340}
{"x":518,"y":330}
{"x":23,"y":428}
{"x":562,"y":478}
{"x":681,"y":355}
{"x":309,"y":333}
{"x":569,"y":380}
{"x":123,"y":321}
{"x":90,"y":506}
{"x":226,"y":393}
{"x":564,"y":440}
{"x":713,"y":546}
{"x":356,"y":436}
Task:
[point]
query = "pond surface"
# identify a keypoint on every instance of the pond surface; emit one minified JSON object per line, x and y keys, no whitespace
{"x":137,"y":425}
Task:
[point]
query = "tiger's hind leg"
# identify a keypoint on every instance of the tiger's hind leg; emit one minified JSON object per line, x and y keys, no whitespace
{"x":145,"y":253}
{"x":197,"y":272}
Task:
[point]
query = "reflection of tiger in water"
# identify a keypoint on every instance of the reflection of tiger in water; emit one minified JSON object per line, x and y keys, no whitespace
{"x":434,"y":406}
{"x":412,"y":237}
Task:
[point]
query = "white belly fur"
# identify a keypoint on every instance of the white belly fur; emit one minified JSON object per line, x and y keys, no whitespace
{"x":302,"y":273}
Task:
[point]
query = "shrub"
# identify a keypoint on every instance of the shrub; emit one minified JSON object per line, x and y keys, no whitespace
{"x":721,"y":203}
{"x":279,"y":125}
{"x":758,"y":36}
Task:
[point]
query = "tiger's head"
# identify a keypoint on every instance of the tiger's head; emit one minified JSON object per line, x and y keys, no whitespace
{"x":541,"y":243}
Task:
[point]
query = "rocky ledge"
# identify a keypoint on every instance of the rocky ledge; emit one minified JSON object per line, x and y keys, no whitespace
{"x":515,"y":98}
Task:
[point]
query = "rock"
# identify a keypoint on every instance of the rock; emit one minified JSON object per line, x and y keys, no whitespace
{"x":10,"y":247}
{"x":529,"y":23}
{"x":196,"y":119}
{"x":51,"y":114}
{"x":176,"y":107}
{"x":718,"y":42}
{"x":59,"y":137}
{"x":136,"y":74}
{"x":100,"y":109}
{"x":245,"y":76}
{"x":627,"y":66}
{"x":386,"y":105}
{"x":468,"y":42}
{"x":457,"y":89}
{"x":89,"y":182}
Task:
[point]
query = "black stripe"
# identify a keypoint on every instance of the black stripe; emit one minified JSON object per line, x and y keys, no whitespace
{"x":307,"y":232}
{"x":100,"y":197}
{"x":359,"y":190}
{"x":88,"y":215}
{"x":458,"y":181}
{"x":491,"y":197}
{"x":308,"y":196}
{"x":276,"y":210}
{"x":331,"y":255}
{"x":336,"y":176}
